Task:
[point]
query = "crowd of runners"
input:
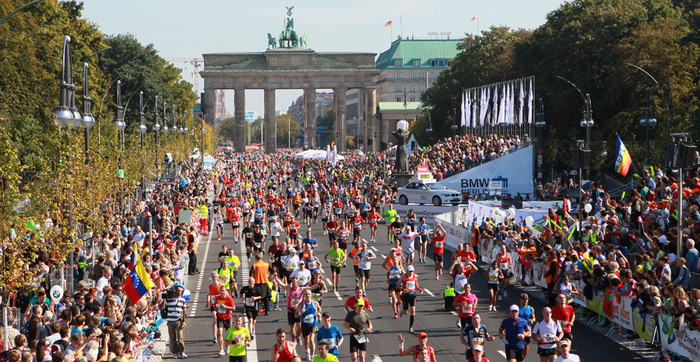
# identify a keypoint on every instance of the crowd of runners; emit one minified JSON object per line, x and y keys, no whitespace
{"x":269,"y":203}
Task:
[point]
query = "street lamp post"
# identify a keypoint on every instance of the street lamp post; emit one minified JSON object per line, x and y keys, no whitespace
{"x":87,"y":120}
{"x":141,"y":128}
{"x":156,"y":128}
{"x":454,"y":124}
{"x":648,"y":119}
{"x":587,"y":120}
{"x":67,"y":116}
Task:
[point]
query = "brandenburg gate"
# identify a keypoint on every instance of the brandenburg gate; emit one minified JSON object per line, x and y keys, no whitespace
{"x":293,"y":66}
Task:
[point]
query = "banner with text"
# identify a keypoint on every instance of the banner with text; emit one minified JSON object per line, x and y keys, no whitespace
{"x":512,"y":174}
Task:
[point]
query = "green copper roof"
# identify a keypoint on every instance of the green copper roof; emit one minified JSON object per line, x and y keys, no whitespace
{"x":398,"y":106}
{"x":423,"y":50}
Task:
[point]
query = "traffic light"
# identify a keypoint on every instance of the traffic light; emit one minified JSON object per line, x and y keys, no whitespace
{"x":375,"y":134}
{"x":337,"y":134}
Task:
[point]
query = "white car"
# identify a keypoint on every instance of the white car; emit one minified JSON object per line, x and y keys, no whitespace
{"x":427,"y":192}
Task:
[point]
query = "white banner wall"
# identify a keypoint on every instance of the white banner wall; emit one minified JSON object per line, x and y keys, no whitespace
{"x":514,"y":171}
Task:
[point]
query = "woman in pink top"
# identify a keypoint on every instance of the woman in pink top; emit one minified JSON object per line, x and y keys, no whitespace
{"x":466,"y":304}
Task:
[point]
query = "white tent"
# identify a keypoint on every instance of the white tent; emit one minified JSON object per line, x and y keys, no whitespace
{"x":315,"y":155}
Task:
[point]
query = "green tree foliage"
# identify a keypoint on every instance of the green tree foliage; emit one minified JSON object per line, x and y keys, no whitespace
{"x":287,"y":130}
{"x":590,"y":43}
{"x":227,"y":129}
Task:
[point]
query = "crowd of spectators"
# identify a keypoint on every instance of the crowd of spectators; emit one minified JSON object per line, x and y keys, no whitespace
{"x":622,"y":247}
{"x":95,"y":320}
{"x":453,"y":155}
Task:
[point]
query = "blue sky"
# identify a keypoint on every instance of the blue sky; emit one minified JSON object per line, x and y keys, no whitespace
{"x":188,"y":29}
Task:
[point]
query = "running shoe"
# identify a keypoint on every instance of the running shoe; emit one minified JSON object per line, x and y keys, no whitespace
{"x":221,"y":353}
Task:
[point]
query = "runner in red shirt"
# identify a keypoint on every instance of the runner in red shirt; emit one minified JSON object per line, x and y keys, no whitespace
{"x":224,"y":306}
{"x":332,"y":226}
{"x":373,"y":220}
{"x":564,"y":315}
{"x":438,"y":249}
{"x":356,"y":226}
{"x":214,"y":292}
{"x":235,"y":219}
{"x":351,"y":302}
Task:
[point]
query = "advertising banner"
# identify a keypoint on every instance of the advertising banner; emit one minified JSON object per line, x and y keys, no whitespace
{"x":681,"y":341}
{"x":427,"y":211}
{"x":513,"y":171}
{"x":455,"y":235}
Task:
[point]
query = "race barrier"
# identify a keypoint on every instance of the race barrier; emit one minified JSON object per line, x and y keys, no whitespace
{"x":427,"y":211}
{"x":681,"y":340}
{"x":479,"y":211}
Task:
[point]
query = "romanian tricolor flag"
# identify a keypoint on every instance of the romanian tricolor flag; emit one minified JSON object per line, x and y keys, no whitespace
{"x":623,"y":159}
{"x":138,"y":283}
{"x":388,"y":24}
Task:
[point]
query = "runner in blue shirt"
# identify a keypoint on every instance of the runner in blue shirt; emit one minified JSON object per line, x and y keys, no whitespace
{"x":527,"y":313}
{"x":422,"y":231}
{"x":330,"y":334}
{"x":513,"y":331}
{"x":309,"y":240}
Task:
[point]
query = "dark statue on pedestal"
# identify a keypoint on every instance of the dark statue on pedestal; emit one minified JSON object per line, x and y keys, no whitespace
{"x":401,"y":163}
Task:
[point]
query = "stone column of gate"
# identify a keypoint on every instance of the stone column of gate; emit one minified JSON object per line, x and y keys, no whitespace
{"x":370,"y":117}
{"x":239,"y":114}
{"x":310,"y":117}
{"x":270,"y":122}
{"x":339,"y":124}
{"x":209,"y":105}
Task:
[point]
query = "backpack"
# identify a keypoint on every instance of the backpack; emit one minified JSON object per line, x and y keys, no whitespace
{"x":164,"y":313}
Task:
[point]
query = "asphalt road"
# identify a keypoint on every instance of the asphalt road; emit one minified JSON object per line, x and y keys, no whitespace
{"x":431,"y":318}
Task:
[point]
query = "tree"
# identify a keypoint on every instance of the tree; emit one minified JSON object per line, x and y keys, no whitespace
{"x":227,"y":129}
{"x":287,"y":130}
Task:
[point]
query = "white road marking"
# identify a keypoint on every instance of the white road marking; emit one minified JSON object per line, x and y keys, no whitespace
{"x":337,"y":295}
{"x":383,"y":256}
{"x":244,"y":269}
{"x":373,"y":248}
{"x":502,"y":353}
{"x":453,"y":312}
{"x":201,"y":277}
{"x":429,"y":292}
{"x":376,"y":358}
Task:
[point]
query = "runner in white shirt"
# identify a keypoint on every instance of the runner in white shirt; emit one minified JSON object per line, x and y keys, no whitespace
{"x":364,"y":259}
{"x":548,"y":333}
{"x":408,"y":238}
{"x":303,"y":274}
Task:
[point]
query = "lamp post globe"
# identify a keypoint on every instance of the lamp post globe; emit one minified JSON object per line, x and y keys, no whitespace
{"x":156,"y":127}
{"x":142,"y":128}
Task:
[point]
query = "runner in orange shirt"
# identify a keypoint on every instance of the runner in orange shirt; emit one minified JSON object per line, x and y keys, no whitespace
{"x":373,"y":220}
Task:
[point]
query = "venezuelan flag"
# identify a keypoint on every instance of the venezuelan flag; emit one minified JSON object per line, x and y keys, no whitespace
{"x":138,"y":283}
{"x":623,"y":160}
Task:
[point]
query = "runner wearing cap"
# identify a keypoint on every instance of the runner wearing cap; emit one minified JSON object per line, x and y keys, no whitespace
{"x":527,"y":313}
{"x":359,"y":324}
{"x":548,"y":333}
{"x":478,"y":355}
{"x":565,"y":354}
{"x":330,"y":334}
{"x":302,"y":274}
{"x":414,"y":350}
{"x":513,"y":331}
{"x":475,"y":335}
{"x":409,"y":285}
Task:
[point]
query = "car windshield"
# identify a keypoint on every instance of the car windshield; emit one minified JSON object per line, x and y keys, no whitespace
{"x":436,"y":187}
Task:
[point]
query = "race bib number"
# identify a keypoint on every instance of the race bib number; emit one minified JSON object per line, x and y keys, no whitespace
{"x":410,"y":285}
{"x":503,"y":266}
{"x":335,"y":260}
{"x":249,"y":302}
{"x":239,"y":339}
{"x":309,"y":319}
{"x":478,"y":341}
{"x":329,"y":341}
{"x":296,"y":301}
{"x":438,"y":244}
{"x":467,"y":308}
{"x":221,"y":309}
{"x":361,"y":338}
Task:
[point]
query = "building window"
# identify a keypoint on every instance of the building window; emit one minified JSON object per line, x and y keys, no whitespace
{"x":413,"y":76}
{"x":398,"y":89}
{"x":413,"y":88}
{"x":413,"y":99}
{"x":398,"y":63}
{"x":433,"y":76}
{"x":421,"y":88}
{"x":421,"y":76}
{"x":416,"y":62}
{"x":441,"y":63}
{"x":398,"y":99}
{"x":398,"y":77}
